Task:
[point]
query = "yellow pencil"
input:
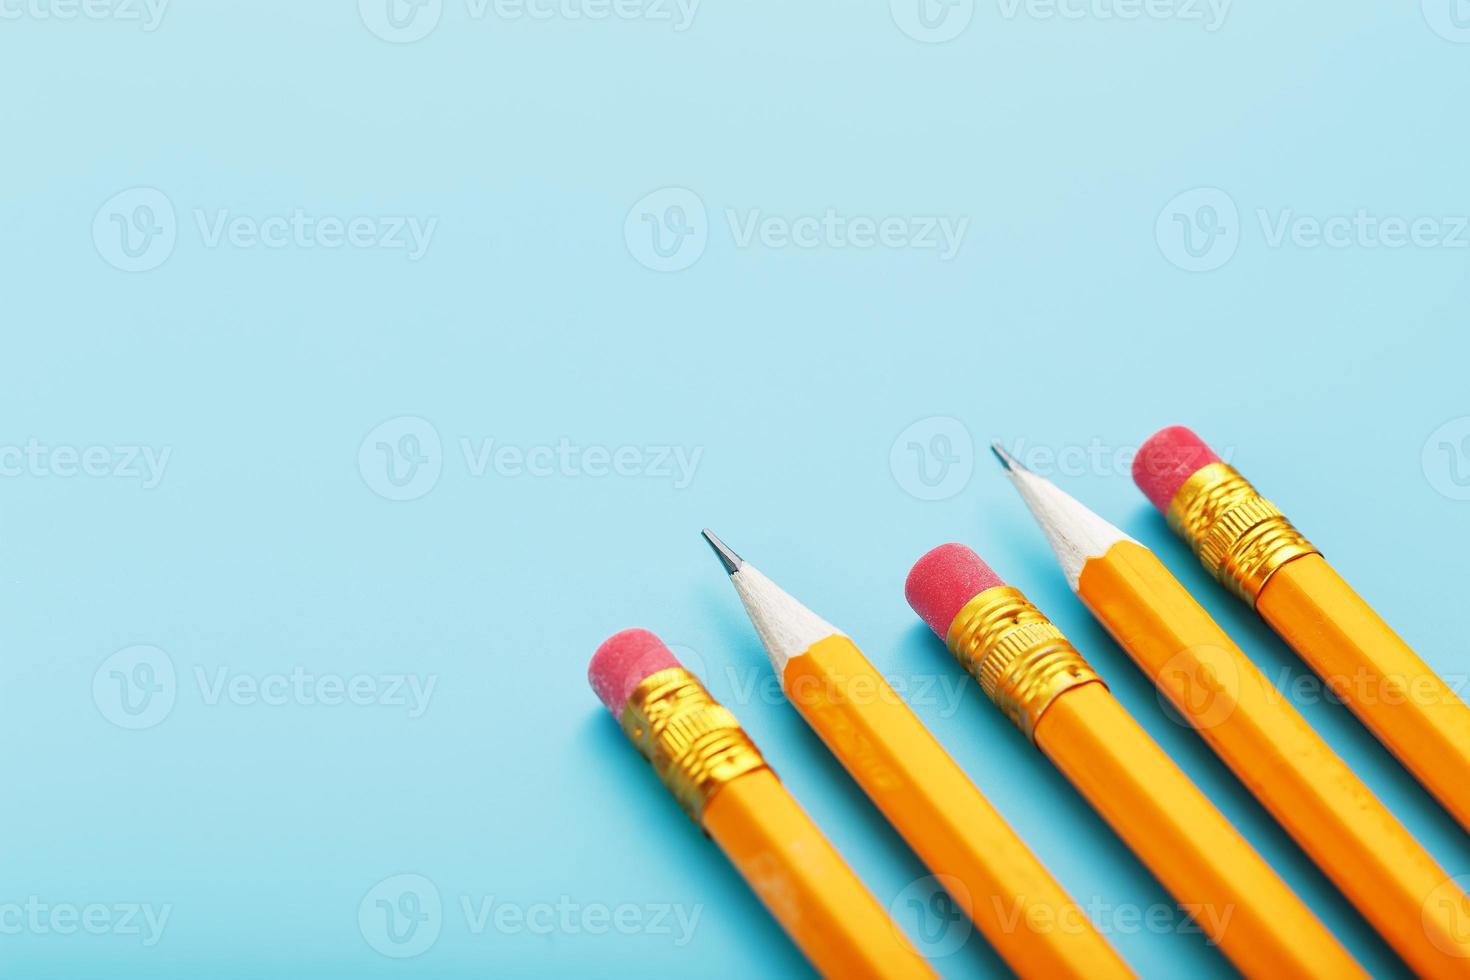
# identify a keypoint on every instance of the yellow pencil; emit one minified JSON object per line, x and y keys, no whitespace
{"x":1007,"y":893}
{"x":1265,"y":741}
{"x":1041,"y":682}
{"x":705,"y":758}
{"x":1246,"y":542}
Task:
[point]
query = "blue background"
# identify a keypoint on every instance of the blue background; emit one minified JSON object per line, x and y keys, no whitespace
{"x":1065,"y":321}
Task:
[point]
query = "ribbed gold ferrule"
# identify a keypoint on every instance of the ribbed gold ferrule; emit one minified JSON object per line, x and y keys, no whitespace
{"x":1239,"y":535}
{"x":1022,"y":661}
{"x":695,"y":745}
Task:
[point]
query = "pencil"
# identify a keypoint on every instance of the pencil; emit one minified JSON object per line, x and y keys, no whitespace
{"x":1027,"y":917}
{"x":1030,"y":670}
{"x":1265,"y":741}
{"x":705,"y":758}
{"x":1246,"y":543}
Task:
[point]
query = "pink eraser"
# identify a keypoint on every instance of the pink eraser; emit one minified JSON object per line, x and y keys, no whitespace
{"x":1169,"y":457}
{"x":944,"y":580}
{"x":623,"y":661}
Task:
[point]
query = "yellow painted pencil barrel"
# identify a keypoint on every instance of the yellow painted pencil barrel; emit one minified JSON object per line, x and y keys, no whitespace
{"x":1310,"y":791}
{"x":805,"y":883}
{"x":1008,"y":893}
{"x":1025,"y":664}
{"x":994,"y":877}
{"x":1233,"y":895}
{"x":1254,"y":550}
{"x":1386,"y":684}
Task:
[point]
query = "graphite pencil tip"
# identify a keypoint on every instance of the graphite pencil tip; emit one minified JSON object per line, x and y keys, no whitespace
{"x":728,"y":558}
{"x":1006,"y":459}
{"x":1074,"y":532}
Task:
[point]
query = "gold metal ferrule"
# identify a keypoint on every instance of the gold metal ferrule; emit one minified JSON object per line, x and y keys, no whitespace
{"x":695,"y":745}
{"x":1022,"y":661}
{"x":1238,"y":535}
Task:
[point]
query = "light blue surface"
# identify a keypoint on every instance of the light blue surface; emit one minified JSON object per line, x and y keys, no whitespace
{"x":528,"y":311}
